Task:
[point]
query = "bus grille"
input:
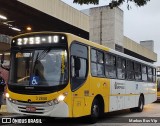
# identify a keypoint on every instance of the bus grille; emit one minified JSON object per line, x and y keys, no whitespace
{"x":34,"y":108}
{"x":38,"y":110}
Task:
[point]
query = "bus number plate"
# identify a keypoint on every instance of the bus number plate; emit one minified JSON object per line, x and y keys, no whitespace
{"x":30,"y":109}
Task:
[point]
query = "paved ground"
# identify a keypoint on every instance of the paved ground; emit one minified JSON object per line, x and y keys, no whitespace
{"x":148,"y":117}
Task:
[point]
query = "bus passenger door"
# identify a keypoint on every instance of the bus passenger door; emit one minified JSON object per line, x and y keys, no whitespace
{"x":79,"y":81}
{"x":80,"y":87}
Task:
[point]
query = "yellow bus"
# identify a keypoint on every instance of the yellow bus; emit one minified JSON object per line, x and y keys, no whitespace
{"x":63,"y":75}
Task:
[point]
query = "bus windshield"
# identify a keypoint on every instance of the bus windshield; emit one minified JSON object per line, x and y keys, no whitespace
{"x":46,"y":67}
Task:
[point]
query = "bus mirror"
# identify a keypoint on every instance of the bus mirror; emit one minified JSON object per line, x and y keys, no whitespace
{"x":77,"y":64}
{"x":2,"y":58}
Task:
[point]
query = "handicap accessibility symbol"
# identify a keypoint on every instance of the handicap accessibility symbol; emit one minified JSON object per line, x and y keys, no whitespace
{"x":34,"y":80}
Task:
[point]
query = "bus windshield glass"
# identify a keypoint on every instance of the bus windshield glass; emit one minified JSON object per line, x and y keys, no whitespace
{"x":46,"y":67}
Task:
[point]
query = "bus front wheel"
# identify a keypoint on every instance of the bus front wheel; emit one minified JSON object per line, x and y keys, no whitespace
{"x":95,"y":111}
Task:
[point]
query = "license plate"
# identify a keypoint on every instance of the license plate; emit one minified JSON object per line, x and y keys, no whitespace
{"x":30,"y":109}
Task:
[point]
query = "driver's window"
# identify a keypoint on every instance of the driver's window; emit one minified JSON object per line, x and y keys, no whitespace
{"x":79,"y":67}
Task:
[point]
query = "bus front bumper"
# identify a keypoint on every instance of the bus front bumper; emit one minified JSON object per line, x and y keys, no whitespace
{"x":40,"y":109}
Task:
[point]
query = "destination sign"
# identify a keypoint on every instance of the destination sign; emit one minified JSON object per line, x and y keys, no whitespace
{"x":38,"y":39}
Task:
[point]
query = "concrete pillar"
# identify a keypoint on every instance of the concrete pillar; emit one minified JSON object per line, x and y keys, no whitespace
{"x":106,"y":26}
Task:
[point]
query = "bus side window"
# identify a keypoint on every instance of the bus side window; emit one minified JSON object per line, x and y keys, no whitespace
{"x":97,"y":63}
{"x":150,"y":72}
{"x":144,"y":73}
{"x":121,"y":65}
{"x":130,"y":70}
{"x":137,"y":69}
{"x":94,"y":71}
{"x":100,"y":64}
{"x":110,"y":65}
{"x":79,"y":66}
{"x":154,"y":75}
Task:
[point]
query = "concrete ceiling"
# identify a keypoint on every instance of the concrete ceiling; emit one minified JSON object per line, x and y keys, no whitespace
{"x":20,"y":15}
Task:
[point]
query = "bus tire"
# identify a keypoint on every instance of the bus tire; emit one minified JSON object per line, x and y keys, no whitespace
{"x":95,"y":111}
{"x":133,"y":109}
{"x":140,"y":105}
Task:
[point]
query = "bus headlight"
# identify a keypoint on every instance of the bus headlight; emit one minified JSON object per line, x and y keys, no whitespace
{"x":60,"y":98}
{"x":7,"y":95}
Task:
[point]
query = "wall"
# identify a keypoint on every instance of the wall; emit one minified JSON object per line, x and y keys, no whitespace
{"x":106,"y":26}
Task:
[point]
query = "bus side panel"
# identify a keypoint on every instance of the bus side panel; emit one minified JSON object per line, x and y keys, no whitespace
{"x":106,"y":94}
{"x":125,"y":94}
{"x":131,"y":94}
{"x":117,"y":98}
{"x":101,"y":86}
{"x":151,"y":95}
{"x":149,"y":98}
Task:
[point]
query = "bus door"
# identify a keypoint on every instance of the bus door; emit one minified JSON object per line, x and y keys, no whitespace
{"x":79,"y":81}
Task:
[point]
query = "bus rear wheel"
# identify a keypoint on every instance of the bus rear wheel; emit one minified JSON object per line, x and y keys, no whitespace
{"x":140,"y":105}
